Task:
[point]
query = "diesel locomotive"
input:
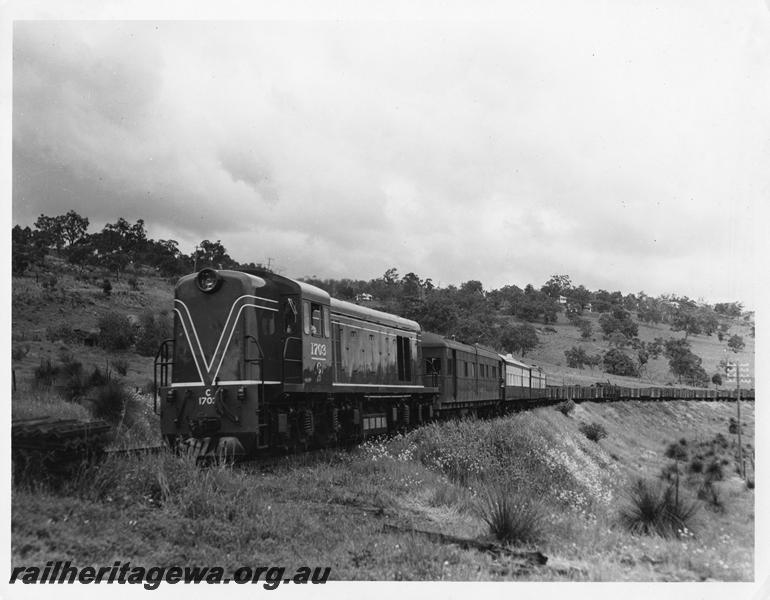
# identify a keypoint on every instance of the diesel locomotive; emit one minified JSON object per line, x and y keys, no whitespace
{"x":260,"y":363}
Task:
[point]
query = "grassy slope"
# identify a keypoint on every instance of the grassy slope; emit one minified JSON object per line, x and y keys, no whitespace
{"x":339,"y":508}
{"x":550,"y":353}
{"x":80,"y":302}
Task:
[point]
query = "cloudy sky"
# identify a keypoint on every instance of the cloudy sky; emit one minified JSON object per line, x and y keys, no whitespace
{"x":626,"y":144}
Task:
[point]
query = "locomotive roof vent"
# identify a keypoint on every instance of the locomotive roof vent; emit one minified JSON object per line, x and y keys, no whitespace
{"x":208,"y":280}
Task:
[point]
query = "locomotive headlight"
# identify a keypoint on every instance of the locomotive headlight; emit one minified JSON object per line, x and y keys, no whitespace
{"x":208,"y":280}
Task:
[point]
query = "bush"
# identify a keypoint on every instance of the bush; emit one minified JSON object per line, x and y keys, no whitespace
{"x":566,"y":407}
{"x":106,"y":287}
{"x":512,"y":518}
{"x":110,"y":402}
{"x":715,"y":471}
{"x":653,"y":509}
{"x":676,"y":451}
{"x":121,"y":366}
{"x":60,"y":332}
{"x":19,"y":352}
{"x":152,"y":331}
{"x":696,"y":465}
{"x":709,"y":493}
{"x":593,"y":431}
{"x":98,"y":377}
{"x":46,"y":373}
{"x":116,"y":332}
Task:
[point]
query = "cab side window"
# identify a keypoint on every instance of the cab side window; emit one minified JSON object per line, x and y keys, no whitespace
{"x":315,"y":319}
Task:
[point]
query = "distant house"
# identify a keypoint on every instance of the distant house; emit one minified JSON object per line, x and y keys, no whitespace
{"x":562,"y":300}
{"x":588,"y":307}
{"x":364,"y":297}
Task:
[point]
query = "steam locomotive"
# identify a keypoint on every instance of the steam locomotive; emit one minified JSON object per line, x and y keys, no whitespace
{"x":260,"y":363}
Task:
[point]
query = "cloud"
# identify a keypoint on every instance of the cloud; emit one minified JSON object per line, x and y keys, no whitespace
{"x":503,"y":151}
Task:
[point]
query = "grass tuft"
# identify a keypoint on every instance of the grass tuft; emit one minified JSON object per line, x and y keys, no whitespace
{"x":654,"y":509}
{"x":512,"y":517}
{"x":593,"y":431}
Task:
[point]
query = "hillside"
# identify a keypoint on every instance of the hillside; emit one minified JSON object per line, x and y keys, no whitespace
{"x":414,"y":507}
{"x":64,"y":298}
{"x":550,"y":353}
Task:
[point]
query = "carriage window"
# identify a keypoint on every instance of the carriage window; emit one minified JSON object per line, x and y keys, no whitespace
{"x":432,"y":366}
{"x":449,"y":366}
{"x":327,"y":321}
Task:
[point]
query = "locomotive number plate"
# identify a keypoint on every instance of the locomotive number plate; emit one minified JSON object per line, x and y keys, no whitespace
{"x":318,"y":351}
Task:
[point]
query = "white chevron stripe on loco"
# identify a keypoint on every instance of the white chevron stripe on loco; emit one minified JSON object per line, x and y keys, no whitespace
{"x":193,"y":340}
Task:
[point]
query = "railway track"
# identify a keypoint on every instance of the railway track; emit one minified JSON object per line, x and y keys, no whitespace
{"x":49,"y":445}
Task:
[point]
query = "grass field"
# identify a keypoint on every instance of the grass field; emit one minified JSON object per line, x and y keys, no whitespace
{"x":369,"y":512}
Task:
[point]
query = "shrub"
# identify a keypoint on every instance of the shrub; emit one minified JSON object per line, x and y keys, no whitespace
{"x":133,"y":283}
{"x":593,"y":431}
{"x":696,"y":465}
{"x":19,"y":352}
{"x":576,"y":357}
{"x":512,"y":517}
{"x":46,"y":373}
{"x":653,"y":509}
{"x":121,"y":366}
{"x":709,"y":493}
{"x":152,"y":331}
{"x":676,"y":451}
{"x":116,"y":332}
{"x":98,"y":377}
{"x":106,"y":287}
{"x":110,"y":401}
{"x":60,"y":332}
{"x":715,"y":471}
{"x":567,"y":407}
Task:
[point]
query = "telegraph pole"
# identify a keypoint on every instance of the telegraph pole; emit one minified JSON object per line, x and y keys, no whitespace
{"x":738,"y":408}
{"x":736,"y":369}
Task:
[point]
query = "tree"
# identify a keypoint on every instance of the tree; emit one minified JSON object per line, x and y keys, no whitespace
{"x":716,"y":379}
{"x":519,"y":338}
{"x":729,"y":309}
{"x":557,"y":285}
{"x":73,"y":227}
{"x":214,"y":254}
{"x":686,"y":320}
{"x":620,"y":320}
{"x":580,"y":296}
{"x":576,"y":357}
{"x":736,"y":343}
{"x":391,"y":276}
{"x":27,"y":248}
{"x":618,"y":362}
